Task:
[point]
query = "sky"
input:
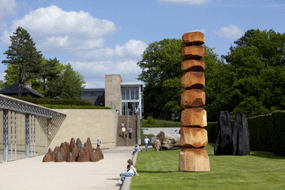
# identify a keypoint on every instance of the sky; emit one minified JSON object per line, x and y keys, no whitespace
{"x":99,"y":37}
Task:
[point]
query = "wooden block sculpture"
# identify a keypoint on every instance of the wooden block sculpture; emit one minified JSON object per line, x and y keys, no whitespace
{"x":193,"y":156}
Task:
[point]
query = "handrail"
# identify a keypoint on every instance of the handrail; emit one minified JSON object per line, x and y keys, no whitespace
{"x":13,"y":104}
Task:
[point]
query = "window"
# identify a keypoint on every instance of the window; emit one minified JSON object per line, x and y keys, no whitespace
{"x":127,"y":94}
{"x":132,"y":93}
{"x":136,"y":93}
{"x":123,"y":93}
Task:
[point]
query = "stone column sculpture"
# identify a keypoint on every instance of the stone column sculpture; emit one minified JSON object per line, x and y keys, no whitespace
{"x":193,"y":156}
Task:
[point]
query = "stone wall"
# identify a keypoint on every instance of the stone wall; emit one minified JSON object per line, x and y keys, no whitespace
{"x":86,"y":123}
{"x":113,"y":91}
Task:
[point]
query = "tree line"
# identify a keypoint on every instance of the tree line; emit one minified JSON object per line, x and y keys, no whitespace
{"x":251,"y":82}
{"x":48,"y":76}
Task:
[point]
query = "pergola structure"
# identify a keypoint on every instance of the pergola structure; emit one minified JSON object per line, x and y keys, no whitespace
{"x":31,"y":112}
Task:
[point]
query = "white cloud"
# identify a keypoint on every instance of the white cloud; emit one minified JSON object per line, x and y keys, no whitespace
{"x":106,"y":67}
{"x":2,"y":76}
{"x":95,"y":84}
{"x":91,"y":67}
{"x":7,"y":7}
{"x":230,"y":32}
{"x":129,"y":49}
{"x":201,"y":30}
{"x":128,"y":67}
{"x":6,"y":37}
{"x":192,"y":2}
{"x":55,"y":29}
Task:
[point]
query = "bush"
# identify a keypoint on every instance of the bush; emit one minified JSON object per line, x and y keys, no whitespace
{"x":55,"y":101}
{"x":150,"y":120}
{"x":73,"y":106}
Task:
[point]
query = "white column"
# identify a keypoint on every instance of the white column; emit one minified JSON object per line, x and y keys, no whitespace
{"x":140,"y":101}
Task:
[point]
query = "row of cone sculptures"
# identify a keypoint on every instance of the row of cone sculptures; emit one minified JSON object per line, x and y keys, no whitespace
{"x":74,"y":152}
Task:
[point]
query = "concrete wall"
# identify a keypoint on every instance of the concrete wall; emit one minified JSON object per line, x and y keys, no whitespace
{"x":86,"y":123}
{"x":155,"y":131}
{"x":113,"y":91}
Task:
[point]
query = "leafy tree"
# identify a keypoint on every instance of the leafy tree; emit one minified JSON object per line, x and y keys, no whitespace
{"x":23,"y":56}
{"x":161,"y":71}
{"x":2,"y":85}
{"x":257,"y":68}
{"x":72,"y":84}
{"x":50,"y":72}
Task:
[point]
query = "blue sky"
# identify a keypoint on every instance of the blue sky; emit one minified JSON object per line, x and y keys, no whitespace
{"x":109,"y":36}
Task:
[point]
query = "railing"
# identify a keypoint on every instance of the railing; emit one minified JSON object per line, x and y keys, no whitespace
{"x":113,"y":106}
{"x":32,"y":112}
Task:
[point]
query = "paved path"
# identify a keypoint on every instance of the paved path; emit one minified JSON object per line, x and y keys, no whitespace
{"x":33,"y":174}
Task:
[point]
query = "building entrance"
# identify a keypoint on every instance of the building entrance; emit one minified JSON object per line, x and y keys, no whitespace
{"x":129,"y":108}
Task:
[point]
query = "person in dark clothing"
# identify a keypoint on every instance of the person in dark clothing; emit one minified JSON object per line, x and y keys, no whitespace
{"x":130,"y":132}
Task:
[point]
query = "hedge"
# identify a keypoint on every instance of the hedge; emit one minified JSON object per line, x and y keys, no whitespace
{"x":55,"y":101}
{"x":73,"y":106}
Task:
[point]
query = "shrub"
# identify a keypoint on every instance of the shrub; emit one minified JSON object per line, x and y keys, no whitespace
{"x":150,"y":120}
{"x":73,"y":107}
{"x":55,"y":101}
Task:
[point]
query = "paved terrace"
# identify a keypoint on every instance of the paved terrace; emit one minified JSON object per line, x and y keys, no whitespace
{"x":33,"y":174}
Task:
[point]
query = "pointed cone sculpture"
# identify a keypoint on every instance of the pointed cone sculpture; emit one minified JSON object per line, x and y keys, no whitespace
{"x":193,"y":156}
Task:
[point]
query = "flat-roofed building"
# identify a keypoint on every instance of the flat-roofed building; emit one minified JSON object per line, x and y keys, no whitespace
{"x":125,"y":97}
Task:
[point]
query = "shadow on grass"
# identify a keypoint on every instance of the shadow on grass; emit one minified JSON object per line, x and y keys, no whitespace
{"x":173,"y":148}
{"x":141,"y":171}
{"x":265,"y":154}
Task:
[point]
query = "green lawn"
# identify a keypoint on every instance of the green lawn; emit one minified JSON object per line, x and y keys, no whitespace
{"x":259,"y":170}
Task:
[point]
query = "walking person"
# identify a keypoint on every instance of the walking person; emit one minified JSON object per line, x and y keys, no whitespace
{"x":146,"y":141}
{"x":131,"y":112}
{"x":131,"y":171}
{"x":98,"y":143}
{"x":123,"y":130}
{"x":130,"y":132}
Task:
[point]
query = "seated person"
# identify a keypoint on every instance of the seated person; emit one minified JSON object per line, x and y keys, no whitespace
{"x":137,"y":148}
{"x":131,"y":171}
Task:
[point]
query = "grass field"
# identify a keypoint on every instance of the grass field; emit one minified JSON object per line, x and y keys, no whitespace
{"x":259,"y":170}
{"x":160,"y":123}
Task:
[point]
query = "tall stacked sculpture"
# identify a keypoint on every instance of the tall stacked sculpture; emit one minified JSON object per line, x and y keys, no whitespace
{"x":193,"y":156}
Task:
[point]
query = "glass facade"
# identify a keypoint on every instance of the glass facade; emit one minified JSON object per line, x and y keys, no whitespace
{"x":130,"y":93}
{"x":129,"y":108}
{"x":130,"y":100}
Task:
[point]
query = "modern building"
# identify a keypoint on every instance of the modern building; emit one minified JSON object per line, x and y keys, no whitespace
{"x":125,"y":97}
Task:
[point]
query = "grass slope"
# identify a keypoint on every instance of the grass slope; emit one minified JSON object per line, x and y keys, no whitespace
{"x":260,"y":170}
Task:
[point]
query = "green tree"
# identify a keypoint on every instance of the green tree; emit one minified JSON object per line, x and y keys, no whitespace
{"x":54,"y":84}
{"x":161,"y":71}
{"x":72,"y":84}
{"x":2,"y":85}
{"x":50,"y":72}
{"x":257,"y":68}
{"x":23,"y":56}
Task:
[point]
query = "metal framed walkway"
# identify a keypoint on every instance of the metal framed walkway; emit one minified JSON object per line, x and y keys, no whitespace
{"x":15,"y":112}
